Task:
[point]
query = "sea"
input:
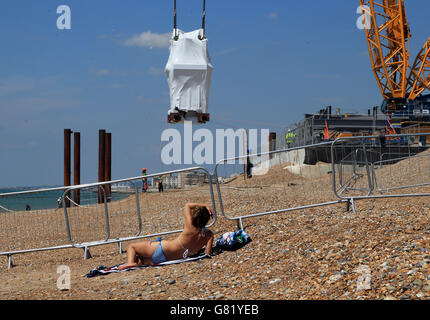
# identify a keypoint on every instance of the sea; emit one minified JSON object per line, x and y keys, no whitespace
{"x":45,"y":200}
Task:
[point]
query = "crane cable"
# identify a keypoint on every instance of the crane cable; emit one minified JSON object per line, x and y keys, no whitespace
{"x":175,"y":25}
{"x":175,"y":21}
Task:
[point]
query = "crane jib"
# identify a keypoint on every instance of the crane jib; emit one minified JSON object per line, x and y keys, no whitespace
{"x":388,"y":35}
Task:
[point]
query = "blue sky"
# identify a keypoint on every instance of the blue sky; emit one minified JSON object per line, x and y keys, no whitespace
{"x":274,"y":61}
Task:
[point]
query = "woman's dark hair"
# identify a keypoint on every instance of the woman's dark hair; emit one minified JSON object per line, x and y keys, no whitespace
{"x":200,"y":217}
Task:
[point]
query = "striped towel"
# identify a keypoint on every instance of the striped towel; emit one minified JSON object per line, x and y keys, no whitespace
{"x":102,"y":270}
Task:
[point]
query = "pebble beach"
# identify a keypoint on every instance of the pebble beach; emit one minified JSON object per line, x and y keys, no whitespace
{"x":378,"y":252}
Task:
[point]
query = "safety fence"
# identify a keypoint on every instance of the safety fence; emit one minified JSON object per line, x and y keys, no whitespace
{"x":278,"y":181}
{"x":256,"y":185}
{"x":27,"y":225}
{"x":139,"y":215}
{"x":97,"y":214}
{"x":381,"y":167}
{"x":357,"y":168}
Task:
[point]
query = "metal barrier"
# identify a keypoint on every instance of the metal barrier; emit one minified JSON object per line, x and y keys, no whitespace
{"x":297,"y":178}
{"x":140,"y":214}
{"x":100,"y":213}
{"x":382,"y":167}
{"x":248,"y":186}
{"x":280,"y":181}
{"x":350,"y":169}
{"x":387,"y":175}
{"x":31,"y":220}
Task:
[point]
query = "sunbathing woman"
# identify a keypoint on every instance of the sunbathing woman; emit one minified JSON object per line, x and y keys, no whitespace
{"x":192,"y":239}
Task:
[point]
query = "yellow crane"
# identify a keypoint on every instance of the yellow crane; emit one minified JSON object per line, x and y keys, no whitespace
{"x":388,"y":33}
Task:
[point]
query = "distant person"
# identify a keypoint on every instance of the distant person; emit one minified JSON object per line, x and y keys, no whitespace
{"x":249,"y":166}
{"x":289,"y":137}
{"x":60,"y":202}
{"x":193,"y":238}
{"x":423,"y":141}
{"x":382,"y":140}
{"x":27,"y":207}
{"x":160,"y":186}
{"x":144,"y":181}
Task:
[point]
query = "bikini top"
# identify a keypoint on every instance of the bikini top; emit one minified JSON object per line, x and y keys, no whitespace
{"x":186,"y":251}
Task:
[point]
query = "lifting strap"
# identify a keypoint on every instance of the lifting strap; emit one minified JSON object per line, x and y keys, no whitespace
{"x":175,"y":24}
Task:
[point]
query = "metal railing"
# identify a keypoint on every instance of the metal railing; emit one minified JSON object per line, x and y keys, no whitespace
{"x":388,"y":177}
{"x":139,"y":215}
{"x":96,"y":214}
{"x":32,"y":220}
{"x":280,"y":181}
{"x":350,"y":169}
{"x":397,"y":167}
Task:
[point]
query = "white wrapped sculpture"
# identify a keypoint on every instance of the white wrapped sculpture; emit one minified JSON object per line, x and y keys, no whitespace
{"x":189,"y":73}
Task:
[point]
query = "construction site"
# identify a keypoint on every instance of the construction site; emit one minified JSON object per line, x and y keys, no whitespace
{"x":403,"y":82}
{"x":337,"y":209}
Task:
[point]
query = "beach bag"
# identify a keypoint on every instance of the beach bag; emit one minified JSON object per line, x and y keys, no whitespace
{"x":231,"y":241}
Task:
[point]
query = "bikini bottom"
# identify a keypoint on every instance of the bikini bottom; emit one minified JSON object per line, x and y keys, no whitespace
{"x":158,"y":256}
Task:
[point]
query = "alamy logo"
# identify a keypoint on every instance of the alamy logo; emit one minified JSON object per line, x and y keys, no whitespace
{"x":63,"y":281}
{"x":228,"y":144}
{"x":364,"y":281}
{"x":364,"y":22}
{"x":64,"y":21}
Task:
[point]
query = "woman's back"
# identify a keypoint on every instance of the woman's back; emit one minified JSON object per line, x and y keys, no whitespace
{"x":188,"y":243}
